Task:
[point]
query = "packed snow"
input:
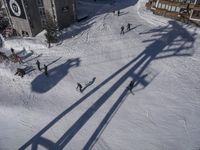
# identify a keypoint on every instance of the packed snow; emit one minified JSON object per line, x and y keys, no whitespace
{"x":161,"y":55}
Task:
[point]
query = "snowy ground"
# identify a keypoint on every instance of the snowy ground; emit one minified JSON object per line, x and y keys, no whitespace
{"x":163,"y":56}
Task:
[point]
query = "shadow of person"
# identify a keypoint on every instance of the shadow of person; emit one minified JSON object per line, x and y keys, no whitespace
{"x":132,"y":28}
{"x":46,"y":143}
{"x":123,"y":13}
{"x":88,"y":84}
{"x":42,"y":84}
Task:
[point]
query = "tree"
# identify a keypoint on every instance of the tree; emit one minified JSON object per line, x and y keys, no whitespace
{"x":4,"y":22}
{"x":51,"y":29}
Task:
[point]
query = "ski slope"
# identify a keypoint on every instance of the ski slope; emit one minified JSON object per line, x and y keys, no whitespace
{"x":160,"y":54}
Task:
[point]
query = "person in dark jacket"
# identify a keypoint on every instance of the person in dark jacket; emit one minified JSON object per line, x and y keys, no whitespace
{"x":122,"y":30}
{"x":118,"y":12}
{"x":131,"y":85}
{"x":38,"y":65}
{"x":46,"y":70}
{"x":128,"y":27}
{"x":79,"y":86}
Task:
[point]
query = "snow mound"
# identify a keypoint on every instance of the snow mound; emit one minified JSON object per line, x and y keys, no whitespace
{"x":20,"y":43}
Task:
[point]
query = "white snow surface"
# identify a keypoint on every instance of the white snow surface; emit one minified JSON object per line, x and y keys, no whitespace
{"x":160,"y":54}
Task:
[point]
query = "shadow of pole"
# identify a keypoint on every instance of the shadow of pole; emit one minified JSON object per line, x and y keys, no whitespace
{"x":64,"y":140}
{"x":93,"y":139}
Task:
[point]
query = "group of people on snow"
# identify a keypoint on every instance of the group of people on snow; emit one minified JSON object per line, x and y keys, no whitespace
{"x":118,"y":12}
{"x":128,"y":28}
{"x":21,"y":71}
{"x":45,"y":67}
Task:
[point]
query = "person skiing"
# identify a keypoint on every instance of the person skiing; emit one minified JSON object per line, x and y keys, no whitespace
{"x":122,"y":30}
{"x":79,"y":86}
{"x":131,"y":85}
{"x":38,"y":65}
{"x":129,"y":27}
{"x":118,"y":12}
{"x":45,"y":70}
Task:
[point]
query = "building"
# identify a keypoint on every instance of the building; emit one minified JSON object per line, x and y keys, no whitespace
{"x":28,"y":16}
{"x":184,"y":10}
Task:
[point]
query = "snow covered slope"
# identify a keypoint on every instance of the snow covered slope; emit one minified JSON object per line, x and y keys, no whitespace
{"x":161,"y":55}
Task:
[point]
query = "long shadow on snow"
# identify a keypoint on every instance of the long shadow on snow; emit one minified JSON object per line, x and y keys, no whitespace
{"x":168,"y":36}
{"x":75,"y":29}
{"x":114,"y":5}
{"x":42,"y":84}
{"x":82,"y":26}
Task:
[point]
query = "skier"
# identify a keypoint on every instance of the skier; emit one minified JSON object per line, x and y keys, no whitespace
{"x":79,"y":86}
{"x":118,"y":12}
{"x":20,"y":72}
{"x":129,"y":27}
{"x":131,"y":85}
{"x":45,"y":70}
{"x":122,"y":30}
{"x":38,"y":65}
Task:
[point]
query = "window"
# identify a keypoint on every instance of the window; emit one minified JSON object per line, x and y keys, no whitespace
{"x":43,"y":21}
{"x":40,"y":2}
{"x":198,"y":2}
{"x":65,"y":9}
{"x":159,"y":5}
{"x":169,"y":8}
{"x":163,"y":6}
{"x":177,"y":9}
{"x":173,"y":8}
{"x":196,"y":14}
{"x":42,"y":11}
{"x":24,"y":33}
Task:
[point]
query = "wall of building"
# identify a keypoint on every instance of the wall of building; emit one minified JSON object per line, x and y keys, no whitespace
{"x":18,"y":22}
{"x":29,"y":21}
{"x":33,"y":16}
{"x":62,"y":11}
{"x":21,"y":25}
{"x":65,"y":12}
{"x":34,"y":19}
